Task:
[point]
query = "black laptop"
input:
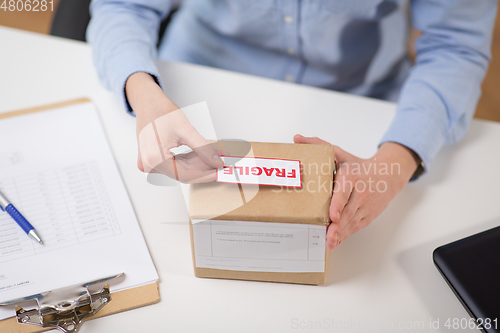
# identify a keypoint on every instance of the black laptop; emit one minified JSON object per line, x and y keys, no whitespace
{"x":471,"y":266}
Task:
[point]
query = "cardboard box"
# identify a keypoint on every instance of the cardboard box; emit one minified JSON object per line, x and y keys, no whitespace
{"x":264,"y":232}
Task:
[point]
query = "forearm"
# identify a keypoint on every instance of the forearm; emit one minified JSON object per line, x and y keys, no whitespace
{"x":440,"y":95}
{"x":436,"y":104}
{"x":123,"y":35}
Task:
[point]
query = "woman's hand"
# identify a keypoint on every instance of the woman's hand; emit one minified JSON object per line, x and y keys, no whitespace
{"x":161,"y":126}
{"x":364,"y":187}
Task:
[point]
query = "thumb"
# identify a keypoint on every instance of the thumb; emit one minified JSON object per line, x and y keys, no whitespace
{"x":341,"y":155}
{"x":203,"y":148}
{"x":310,"y":140}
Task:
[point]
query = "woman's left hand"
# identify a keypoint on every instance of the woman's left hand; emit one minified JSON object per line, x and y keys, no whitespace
{"x":364,"y":187}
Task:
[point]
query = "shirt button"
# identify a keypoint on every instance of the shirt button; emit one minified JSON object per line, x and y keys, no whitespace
{"x":290,"y":50}
{"x":288,"y":19}
{"x":289,"y":77}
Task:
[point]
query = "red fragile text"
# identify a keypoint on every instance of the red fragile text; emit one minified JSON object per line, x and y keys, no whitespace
{"x":257,"y":171}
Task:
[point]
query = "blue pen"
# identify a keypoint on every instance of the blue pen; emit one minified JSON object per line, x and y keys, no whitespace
{"x":5,"y":205}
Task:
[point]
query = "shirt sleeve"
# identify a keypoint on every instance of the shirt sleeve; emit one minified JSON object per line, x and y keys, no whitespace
{"x":123,"y":35}
{"x":439,"y":97}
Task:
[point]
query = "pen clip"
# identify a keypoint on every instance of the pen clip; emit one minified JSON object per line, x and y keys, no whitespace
{"x":3,"y":202}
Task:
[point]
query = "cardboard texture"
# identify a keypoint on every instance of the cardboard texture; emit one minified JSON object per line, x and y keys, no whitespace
{"x":237,"y":202}
{"x":120,"y":301}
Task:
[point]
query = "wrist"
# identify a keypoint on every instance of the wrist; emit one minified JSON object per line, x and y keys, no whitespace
{"x":403,"y":162}
{"x":146,"y":97}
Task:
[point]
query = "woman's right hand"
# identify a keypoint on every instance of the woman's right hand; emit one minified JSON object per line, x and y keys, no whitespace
{"x":161,"y":126}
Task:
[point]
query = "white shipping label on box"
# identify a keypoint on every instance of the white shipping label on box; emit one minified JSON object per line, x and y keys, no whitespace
{"x":260,"y":171}
{"x":259,"y":246}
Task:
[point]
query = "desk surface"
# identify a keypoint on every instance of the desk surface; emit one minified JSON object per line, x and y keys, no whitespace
{"x":381,"y":278}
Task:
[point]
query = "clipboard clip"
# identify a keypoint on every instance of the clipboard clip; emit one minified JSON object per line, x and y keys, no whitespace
{"x":67,"y":308}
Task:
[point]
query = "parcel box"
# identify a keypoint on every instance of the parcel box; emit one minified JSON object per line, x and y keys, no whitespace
{"x":265,"y":218}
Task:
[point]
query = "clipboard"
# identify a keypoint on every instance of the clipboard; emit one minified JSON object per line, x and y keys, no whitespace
{"x":120,"y":301}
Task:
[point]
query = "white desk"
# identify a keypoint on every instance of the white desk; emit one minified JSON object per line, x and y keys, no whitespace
{"x":383,"y":275}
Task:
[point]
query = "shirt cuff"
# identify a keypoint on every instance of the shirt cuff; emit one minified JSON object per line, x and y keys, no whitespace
{"x":419,"y":132}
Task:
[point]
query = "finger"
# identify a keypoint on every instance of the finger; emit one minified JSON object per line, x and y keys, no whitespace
{"x":349,"y":216}
{"x":166,"y":167}
{"x":309,"y":140}
{"x":358,"y":222}
{"x":188,"y":174}
{"x":343,"y":185}
{"x":349,"y":210}
{"x":193,"y":161}
{"x":342,"y":156}
{"x":140,"y":166}
{"x":174,"y":129}
{"x":332,"y":236}
{"x":184,"y":172}
{"x":202,"y":147}
{"x":225,"y":153}
{"x":354,"y":225}
{"x":342,"y":189}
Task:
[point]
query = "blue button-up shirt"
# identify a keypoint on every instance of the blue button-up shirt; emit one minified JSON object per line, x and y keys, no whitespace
{"x":355,"y":46}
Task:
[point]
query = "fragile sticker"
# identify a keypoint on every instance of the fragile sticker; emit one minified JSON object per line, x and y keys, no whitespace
{"x":260,"y":171}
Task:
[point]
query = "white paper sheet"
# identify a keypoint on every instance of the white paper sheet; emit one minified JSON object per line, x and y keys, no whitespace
{"x":259,"y":246}
{"x":57,"y":168}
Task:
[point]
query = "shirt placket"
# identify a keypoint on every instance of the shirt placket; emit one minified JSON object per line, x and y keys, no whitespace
{"x":290,"y":21}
